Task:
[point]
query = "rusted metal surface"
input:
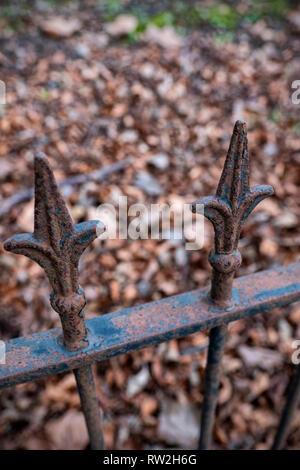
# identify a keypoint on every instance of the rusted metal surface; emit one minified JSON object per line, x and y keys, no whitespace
{"x":217,"y":339}
{"x":56,"y":245}
{"x":292,"y":402}
{"x":227,"y":210}
{"x":90,"y":406}
{"x":109,"y":335}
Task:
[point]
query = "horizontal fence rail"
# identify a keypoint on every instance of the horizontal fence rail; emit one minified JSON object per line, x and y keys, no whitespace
{"x":57,"y":244}
{"x":43,"y":354}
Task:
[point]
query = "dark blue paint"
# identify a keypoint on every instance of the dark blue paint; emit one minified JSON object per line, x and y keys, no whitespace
{"x":42,"y":354}
{"x":266,"y":294}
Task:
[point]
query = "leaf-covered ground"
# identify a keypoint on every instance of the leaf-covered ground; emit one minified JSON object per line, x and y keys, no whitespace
{"x":91,"y":88}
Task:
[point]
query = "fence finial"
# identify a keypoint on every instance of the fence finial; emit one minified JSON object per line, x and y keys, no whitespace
{"x":228,"y":210}
{"x":56,"y":245}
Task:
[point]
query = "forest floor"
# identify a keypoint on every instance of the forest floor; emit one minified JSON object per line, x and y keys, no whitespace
{"x":162,"y":88}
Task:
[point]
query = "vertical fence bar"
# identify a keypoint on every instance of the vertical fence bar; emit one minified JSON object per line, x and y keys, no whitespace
{"x":217,"y":339}
{"x":90,"y":407}
{"x":56,"y":245}
{"x":227,"y":210}
{"x":291,"y":404}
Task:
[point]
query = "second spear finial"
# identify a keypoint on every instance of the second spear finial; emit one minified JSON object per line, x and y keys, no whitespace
{"x":228,"y":210}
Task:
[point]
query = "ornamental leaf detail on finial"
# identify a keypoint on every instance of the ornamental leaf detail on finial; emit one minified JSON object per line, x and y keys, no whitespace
{"x":234,"y":199}
{"x":56,"y":244}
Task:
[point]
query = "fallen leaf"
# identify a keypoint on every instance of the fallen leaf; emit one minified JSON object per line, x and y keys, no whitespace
{"x":286,"y":220}
{"x":68,"y":432}
{"x":268,"y":247}
{"x":122,"y":25}
{"x":225,"y":392}
{"x":148,"y":406}
{"x":179,"y":424}
{"x":295,"y":314}
{"x":165,"y":37}
{"x":260,"y":384}
{"x":138,"y":382}
{"x":266,"y":359}
{"x":148,"y":183}
{"x":60,"y":27}
{"x":114,"y":288}
{"x":130,"y":293}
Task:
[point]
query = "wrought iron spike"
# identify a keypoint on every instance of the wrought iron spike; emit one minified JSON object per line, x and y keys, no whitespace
{"x":234,"y":199}
{"x":56,"y":245}
{"x":228,"y":210}
{"x":234,"y":180}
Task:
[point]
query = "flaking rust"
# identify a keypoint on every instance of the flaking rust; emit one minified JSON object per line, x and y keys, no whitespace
{"x":56,"y":245}
{"x":228,"y":210}
{"x":124,"y":331}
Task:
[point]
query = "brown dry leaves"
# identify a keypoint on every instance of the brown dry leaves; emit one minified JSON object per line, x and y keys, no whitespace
{"x":87,"y":101}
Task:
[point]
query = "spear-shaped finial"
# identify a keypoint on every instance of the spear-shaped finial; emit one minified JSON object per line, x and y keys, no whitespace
{"x":56,"y":245}
{"x":228,"y":210}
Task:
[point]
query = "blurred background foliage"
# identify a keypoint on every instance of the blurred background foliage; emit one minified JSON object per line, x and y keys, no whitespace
{"x":182,"y":15}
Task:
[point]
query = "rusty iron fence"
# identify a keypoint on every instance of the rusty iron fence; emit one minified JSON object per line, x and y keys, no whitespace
{"x":57,"y":244}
